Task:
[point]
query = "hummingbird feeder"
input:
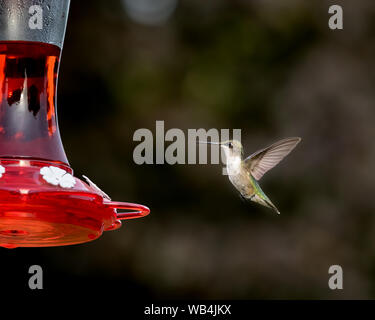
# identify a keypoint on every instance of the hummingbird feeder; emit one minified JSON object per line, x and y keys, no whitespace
{"x":41,"y":202}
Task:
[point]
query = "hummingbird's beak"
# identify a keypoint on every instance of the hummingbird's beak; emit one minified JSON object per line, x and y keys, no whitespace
{"x":207,"y":142}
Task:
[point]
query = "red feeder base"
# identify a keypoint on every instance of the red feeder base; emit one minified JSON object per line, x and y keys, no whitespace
{"x":36,"y":213}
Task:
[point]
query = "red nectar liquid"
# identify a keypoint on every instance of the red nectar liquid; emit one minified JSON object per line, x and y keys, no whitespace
{"x":28,"y":120}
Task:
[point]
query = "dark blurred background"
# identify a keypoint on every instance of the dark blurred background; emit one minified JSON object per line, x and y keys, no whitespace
{"x":270,"y":68}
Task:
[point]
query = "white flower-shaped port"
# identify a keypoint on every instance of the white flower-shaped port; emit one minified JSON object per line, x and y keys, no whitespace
{"x":2,"y":171}
{"x":57,"y":176}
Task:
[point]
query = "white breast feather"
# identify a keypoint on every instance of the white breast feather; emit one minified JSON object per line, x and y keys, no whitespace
{"x":234,"y":165}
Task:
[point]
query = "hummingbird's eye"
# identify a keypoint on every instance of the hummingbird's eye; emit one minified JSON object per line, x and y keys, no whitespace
{"x":230,"y":145}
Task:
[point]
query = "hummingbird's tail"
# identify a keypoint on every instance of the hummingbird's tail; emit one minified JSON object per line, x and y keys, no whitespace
{"x":265,"y":201}
{"x":272,"y":206}
{"x":260,"y":197}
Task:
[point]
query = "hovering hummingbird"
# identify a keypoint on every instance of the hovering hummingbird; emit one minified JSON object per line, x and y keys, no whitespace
{"x":245,"y":173}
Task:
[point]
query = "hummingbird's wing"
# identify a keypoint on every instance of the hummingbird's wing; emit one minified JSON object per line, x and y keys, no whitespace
{"x":263,"y":160}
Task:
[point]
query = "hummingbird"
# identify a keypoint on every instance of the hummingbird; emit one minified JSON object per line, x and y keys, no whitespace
{"x":244,"y":174}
